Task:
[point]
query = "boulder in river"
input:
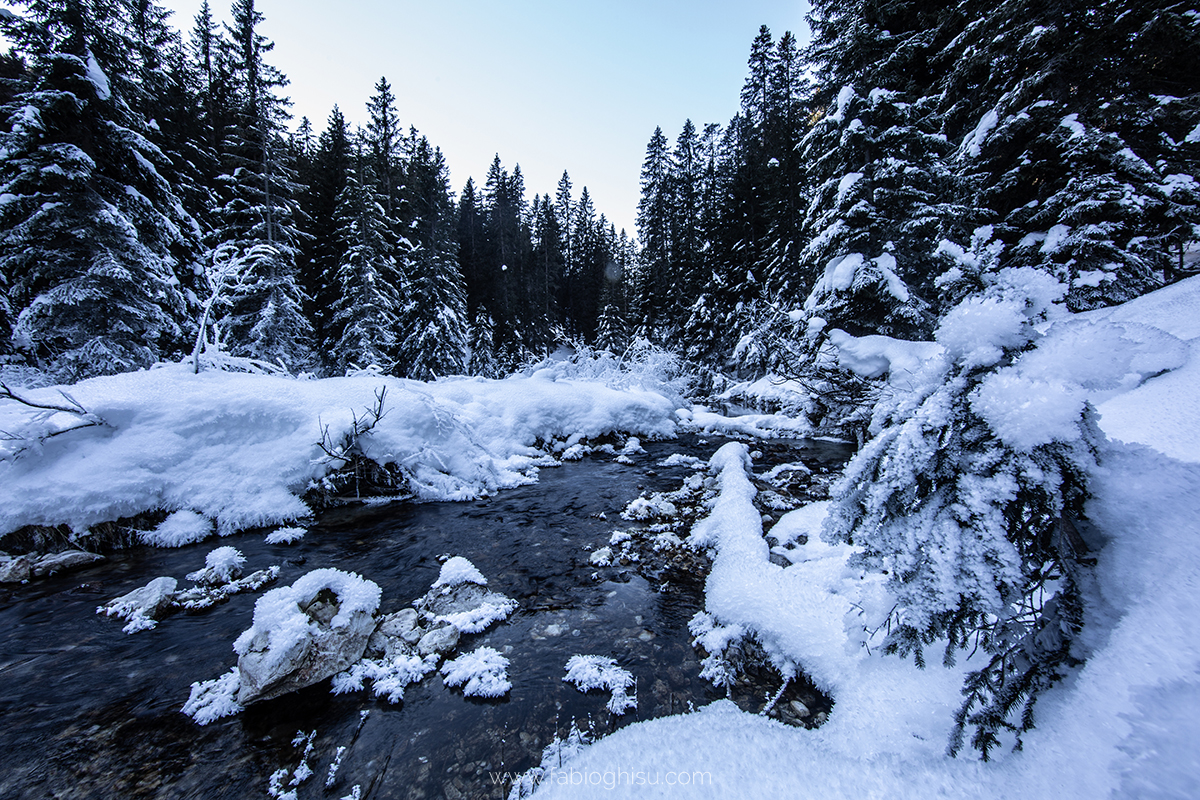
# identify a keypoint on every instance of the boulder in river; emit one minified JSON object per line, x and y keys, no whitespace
{"x":142,"y":608}
{"x":438,"y":640}
{"x":15,"y":569}
{"x":304,"y":633}
{"x":397,"y":634}
{"x":459,"y":597}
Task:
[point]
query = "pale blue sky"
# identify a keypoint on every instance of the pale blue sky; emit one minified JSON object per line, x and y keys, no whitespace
{"x":577,"y":85}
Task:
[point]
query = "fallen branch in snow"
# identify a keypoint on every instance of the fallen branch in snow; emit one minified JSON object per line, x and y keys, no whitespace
{"x":84,"y":419}
{"x":346,"y":451}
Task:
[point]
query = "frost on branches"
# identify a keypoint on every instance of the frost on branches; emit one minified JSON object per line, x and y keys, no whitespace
{"x":966,"y":498}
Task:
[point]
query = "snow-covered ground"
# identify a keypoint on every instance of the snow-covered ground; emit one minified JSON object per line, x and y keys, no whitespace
{"x":1124,"y":725}
{"x":235,"y":450}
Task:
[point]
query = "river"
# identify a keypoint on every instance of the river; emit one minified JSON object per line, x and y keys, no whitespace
{"x":89,"y":712}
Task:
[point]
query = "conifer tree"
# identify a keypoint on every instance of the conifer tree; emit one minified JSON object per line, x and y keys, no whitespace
{"x":433,"y":320}
{"x":364,"y":314}
{"x":653,"y":220}
{"x":93,"y":234}
{"x":267,"y":319}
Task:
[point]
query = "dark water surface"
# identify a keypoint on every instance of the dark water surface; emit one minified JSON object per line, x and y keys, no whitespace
{"x":89,"y":712}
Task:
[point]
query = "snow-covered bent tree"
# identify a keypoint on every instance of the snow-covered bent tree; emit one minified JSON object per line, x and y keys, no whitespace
{"x":965,"y":498}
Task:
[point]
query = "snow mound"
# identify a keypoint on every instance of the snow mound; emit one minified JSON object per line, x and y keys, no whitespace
{"x":458,"y":570}
{"x":483,"y":671}
{"x":179,"y":529}
{"x":222,"y":565}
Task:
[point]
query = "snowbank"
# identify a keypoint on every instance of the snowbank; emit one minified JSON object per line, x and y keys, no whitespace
{"x":1124,"y":725}
{"x":240,"y":449}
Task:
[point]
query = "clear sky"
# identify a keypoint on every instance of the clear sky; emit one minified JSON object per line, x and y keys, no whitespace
{"x":551,"y":85}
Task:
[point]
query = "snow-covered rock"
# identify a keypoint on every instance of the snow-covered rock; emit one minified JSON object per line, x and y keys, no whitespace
{"x":439,"y":640}
{"x":222,"y":565}
{"x":458,"y":597}
{"x":304,"y":633}
{"x":143,"y":607}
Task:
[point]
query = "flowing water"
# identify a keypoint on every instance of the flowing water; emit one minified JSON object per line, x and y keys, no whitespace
{"x":89,"y":712}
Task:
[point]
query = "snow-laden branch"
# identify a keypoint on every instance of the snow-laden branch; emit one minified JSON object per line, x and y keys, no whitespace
{"x":45,"y":412}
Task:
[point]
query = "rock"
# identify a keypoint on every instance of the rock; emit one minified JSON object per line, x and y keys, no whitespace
{"x":438,"y":640}
{"x":469,"y":607}
{"x":396,"y":634}
{"x":64,"y":562}
{"x":799,"y":709}
{"x":16,"y":569}
{"x":304,"y":633}
{"x":143,"y":607}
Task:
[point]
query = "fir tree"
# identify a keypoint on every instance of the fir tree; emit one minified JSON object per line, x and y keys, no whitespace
{"x":364,"y":314}
{"x":93,"y":232}
{"x":267,"y":319}
{"x":433,"y":320}
{"x":970,"y":523}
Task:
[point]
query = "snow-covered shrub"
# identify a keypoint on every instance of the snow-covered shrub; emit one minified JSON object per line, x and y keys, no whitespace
{"x":643,"y":365}
{"x":965,"y":497}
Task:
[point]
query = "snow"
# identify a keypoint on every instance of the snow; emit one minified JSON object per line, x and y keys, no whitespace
{"x":973,"y":144}
{"x":873,"y":356}
{"x":97,"y":78}
{"x":286,"y":535}
{"x":1071,"y":122}
{"x":182,"y":527}
{"x":133,"y":606}
{"x":221,"y":565}
{"x":843,"y":99}
{"x":483,"y":671}
{"x":846,"y":184}
{"x":886,"y":263}
{"x":388,"y":678}
{"x":458,"y":570}
{"x":495,"y":608}
{"x":759,"y":426}
{"x":1123,"y":725}
{"x":601,"y":672}
{"x":214,"y":699}
{"x":239,"y":449}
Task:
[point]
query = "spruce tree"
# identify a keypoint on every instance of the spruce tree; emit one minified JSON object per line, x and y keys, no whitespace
{"x":653,"y":220}
{"x":92,"y":232}
{"x":267,"y":319}
{"x":363,"y":321}
{"x":433,"y":321}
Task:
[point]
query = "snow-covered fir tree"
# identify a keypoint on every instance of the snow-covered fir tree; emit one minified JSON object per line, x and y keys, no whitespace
{"x":267,"y":319}
{"x":93,"y":235}
{"x":433,"y":319}
{"x":363,"y":319}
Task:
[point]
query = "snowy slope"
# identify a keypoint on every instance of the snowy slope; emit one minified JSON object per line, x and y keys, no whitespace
{"x":1125,"y":725}
{"x":240,"y":448}
{"x":1164,"y":412}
